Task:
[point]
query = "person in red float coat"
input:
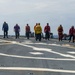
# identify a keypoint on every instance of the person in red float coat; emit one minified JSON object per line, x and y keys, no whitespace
{"x":47,"y":31}
{"x":27,"y":28}
{"x":71,"y":33}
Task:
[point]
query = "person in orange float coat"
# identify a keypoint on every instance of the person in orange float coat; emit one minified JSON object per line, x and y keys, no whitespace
{"x":60,"y":32}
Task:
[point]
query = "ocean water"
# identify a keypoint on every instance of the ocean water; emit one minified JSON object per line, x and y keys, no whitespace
{"x":55,"y":36}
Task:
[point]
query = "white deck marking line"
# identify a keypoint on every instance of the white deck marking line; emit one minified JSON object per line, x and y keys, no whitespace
{"x":36,"y":58}
{"x":71,"y":52}
{"x":47,"y":50}
{"x":53,"y":44}
{"x":63,"y":45}
{"x":44,"y":49}
{"x":35,"y":69}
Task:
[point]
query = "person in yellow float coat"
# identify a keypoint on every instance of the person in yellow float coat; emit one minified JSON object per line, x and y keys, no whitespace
{"x":38,"y":31}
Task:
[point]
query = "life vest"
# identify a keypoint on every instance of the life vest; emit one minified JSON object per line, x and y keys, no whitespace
{"x":38,"y":29}
{"x":71,"y":31}
{"x":60,"y":29}
{"x":47,"y":29}
{"x":16,"y":28}
{"x":27,"y":28}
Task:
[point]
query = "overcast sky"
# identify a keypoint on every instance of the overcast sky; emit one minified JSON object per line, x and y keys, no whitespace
{"x":54,"y":12}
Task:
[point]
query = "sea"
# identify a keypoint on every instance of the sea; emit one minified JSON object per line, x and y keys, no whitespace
{"x":55,"y":36}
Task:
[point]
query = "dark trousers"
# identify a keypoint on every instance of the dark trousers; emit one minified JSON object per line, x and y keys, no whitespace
{"x":38,"y":36}
{"x":47,"y":35}
{"x":27,"y":35}
{"x":17,"y":35}
{"x":6,"y":34}
{"x":71,"y":37}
